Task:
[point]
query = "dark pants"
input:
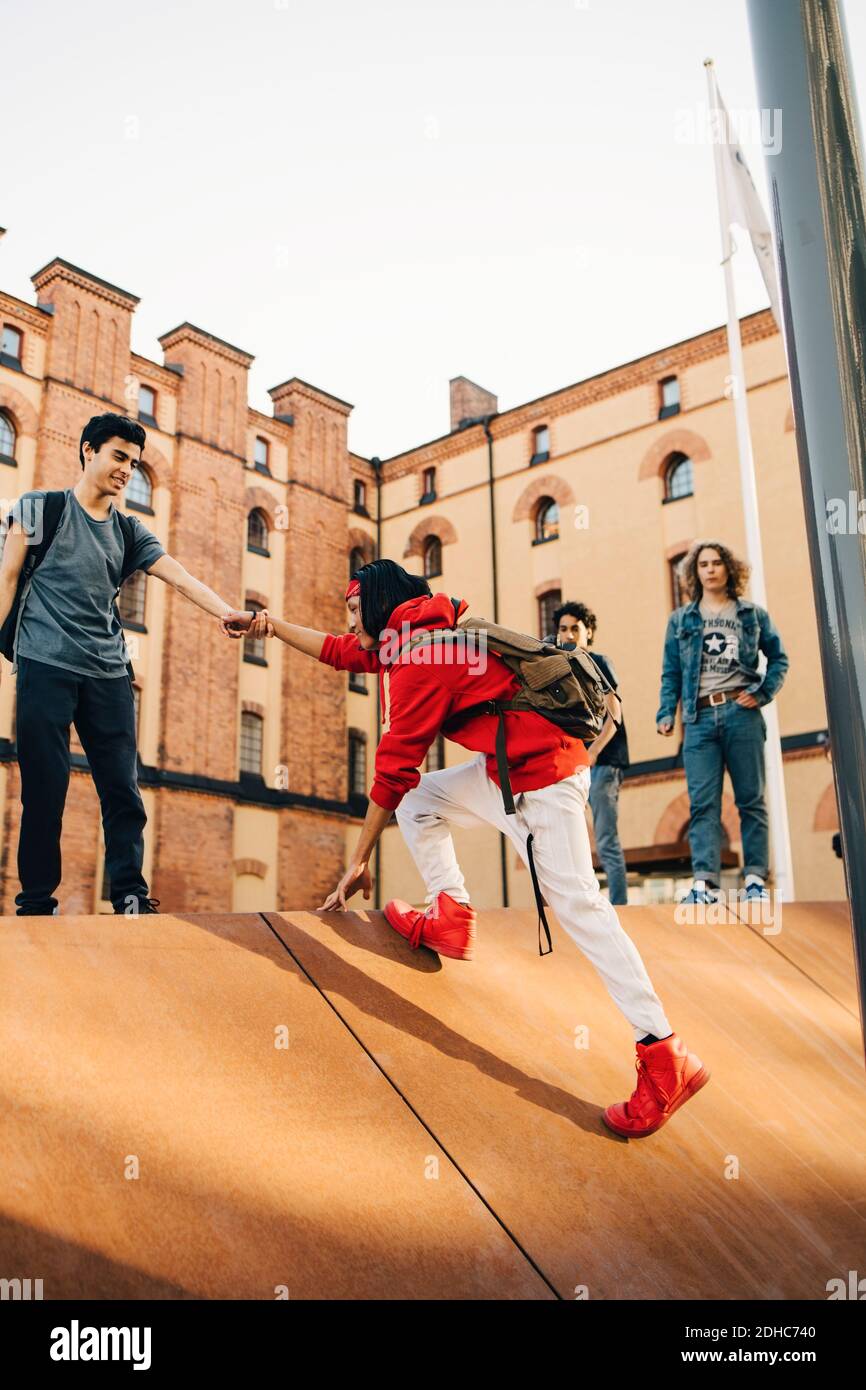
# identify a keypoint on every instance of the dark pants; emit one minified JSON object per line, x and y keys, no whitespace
{"x":102,"y":709}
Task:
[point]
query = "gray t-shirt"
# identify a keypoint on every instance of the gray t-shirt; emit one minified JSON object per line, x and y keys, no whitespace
{"x":720,"y":657}
{"x":67,"y":618}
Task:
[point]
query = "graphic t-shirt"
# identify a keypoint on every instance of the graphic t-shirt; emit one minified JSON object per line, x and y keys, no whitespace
{"x":68,"y":619}
{"x":720,"y":657}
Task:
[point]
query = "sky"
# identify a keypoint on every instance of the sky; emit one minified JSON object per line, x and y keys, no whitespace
{"x":379,"y":195}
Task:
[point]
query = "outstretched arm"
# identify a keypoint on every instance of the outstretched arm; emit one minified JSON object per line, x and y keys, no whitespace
{"x":344,"y":653}
{"x":172,"y":572}
{"x":303,"y":639}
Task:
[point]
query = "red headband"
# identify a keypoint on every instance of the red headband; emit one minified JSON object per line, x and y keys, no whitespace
{"x":354,"y":587}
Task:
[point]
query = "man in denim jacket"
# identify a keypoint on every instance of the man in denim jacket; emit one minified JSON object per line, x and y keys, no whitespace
{"x":710,"y":665}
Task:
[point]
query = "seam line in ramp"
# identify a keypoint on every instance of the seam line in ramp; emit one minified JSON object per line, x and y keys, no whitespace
{"x":409,"y":1106}
{"x":779,"y":952}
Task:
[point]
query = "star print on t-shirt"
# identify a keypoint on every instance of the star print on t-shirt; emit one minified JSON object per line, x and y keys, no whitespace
{"x":721,"y":644}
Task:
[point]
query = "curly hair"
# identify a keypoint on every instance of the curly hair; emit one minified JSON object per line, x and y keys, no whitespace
{"x":687,"y":570}
{"x":582,"y":613}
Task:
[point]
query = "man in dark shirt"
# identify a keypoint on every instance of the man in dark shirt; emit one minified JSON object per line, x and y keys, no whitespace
{"x":574,"y":626}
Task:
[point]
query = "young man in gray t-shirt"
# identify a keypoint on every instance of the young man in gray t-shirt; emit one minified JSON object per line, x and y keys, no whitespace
{"x":73,"y":666}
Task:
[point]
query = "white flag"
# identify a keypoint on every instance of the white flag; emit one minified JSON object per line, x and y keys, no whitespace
{"x":744,"y":205}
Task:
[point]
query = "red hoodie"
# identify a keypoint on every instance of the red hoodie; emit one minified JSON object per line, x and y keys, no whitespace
{"x":419,"y":700}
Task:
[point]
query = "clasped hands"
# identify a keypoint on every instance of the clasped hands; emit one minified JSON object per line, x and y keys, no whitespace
{"x":241,"y":622}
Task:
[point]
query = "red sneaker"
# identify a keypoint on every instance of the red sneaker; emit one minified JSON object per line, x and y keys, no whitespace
{"x":447,"y":927}
{"x":667,"y":1076}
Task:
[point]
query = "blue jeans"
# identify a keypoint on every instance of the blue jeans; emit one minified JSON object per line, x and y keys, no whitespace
{"x":726,"y":736}
{"x":604,"y":802}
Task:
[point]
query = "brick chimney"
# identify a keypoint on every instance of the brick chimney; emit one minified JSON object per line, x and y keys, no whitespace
{"x":469,"y":400}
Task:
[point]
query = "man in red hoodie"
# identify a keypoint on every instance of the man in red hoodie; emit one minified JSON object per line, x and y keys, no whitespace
{"x":423,"y":693}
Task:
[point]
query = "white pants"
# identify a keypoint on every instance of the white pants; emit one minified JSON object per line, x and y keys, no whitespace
{"x":554,"y":815}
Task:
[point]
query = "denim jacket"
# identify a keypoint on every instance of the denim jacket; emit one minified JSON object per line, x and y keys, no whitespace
{"x":681,"y":662}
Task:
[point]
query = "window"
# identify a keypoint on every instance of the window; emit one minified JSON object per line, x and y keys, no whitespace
{"x":147,"y":404}
{"x":547,"y":605}
{"x":252,"y":730}
{"x":428,"y":485}
{"x":678,"y":592}
{"x":254,"y":647}
{"x":10,"y":350}
{"x":669,"y":397}
{"x":261,"y":456}
{"x":130,"y":600}
{"x":358,"y":682}
{"x":679,"y":478}
{"x":546,"y":520}
{"x":7,"y":439}
{"x":432,"y":557}
{"x":139,"y":493}
{"x":136,"y":699}
{"x":356,"y":560}
{"x":257,"y":532}
{"x":357,"y":763}
{"x":360,"y":493}
{"x":540,"y":444}
{"x":436,"y":754}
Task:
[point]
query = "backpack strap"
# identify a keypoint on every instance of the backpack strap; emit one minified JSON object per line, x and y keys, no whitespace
{"x":127,"y":527}
{"x":53,"y":505}
{"x":498,"y":708}
{"x":127,"y":567}
{"x":52,"y":510}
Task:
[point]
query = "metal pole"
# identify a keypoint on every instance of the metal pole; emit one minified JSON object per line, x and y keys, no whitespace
{"x":816,"y":182}
{"x":783,"y":864}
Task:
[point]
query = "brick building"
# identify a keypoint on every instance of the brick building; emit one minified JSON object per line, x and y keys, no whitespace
{"x":255,"y":760}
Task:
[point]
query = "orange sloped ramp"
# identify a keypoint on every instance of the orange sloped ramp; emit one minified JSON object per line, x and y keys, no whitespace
{"x":158,"y":1140}
{"x":755,"y":1190}
{"x":816,"y":937}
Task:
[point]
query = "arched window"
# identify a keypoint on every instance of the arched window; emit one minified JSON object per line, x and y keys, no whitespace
{"x":547,"y":520}
{"x":432,"y":557}
{"x":254,"y":647}
{"x":257,"y":532}
{"x":7,"y":439}
{"x":357,"y":763}
{"x":139,"y":493}
{"x":130,"y":600}
{"x":547,"y":606}
{"x":252,"y":738}
{"x":679,"y":477}
{"x":679,"y":593}
{"x":356,"y":560}
{"x":436,"y":754}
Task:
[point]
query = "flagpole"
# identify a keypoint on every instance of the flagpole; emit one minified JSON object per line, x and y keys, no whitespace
{"x":780,"y":837}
